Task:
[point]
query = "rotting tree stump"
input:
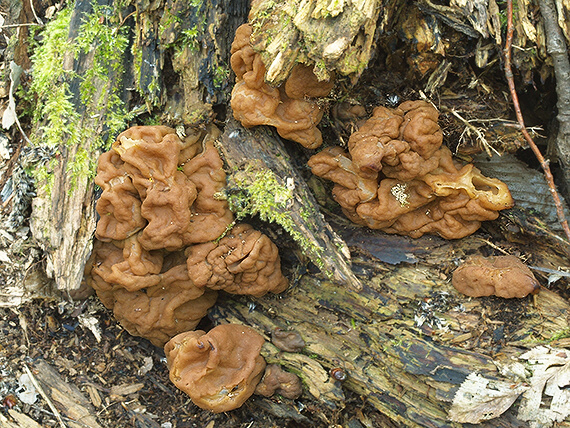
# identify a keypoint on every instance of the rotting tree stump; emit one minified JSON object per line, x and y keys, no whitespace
{"x":405,"y":339}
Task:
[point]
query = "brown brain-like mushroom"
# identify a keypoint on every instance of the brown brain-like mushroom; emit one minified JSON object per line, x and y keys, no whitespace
{"x":150,"y":293}
{"x":278,"y":381}
{"x":290,"y":108}
{"x":220,"y":369}
{"x":156,"y":261}
{"x":397,"y":177}
{"x":502,"y":276}
{"x":167,"y":184}
{"x":287,"y":340}
{"x":245,"y":261}
{"x":161,"y":312}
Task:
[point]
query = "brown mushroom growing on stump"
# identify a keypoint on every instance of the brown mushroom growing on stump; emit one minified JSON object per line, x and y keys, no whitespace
{"x":245,"y":261}
{"x":397,"y":177}
{"x":157,"y":262}
{"x":502,"y":276}
{"x":291,"y":108}
{"x":220,"y":369}
{"x":287,"y":340}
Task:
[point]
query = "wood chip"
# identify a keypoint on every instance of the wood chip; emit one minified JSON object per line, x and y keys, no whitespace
{"x":22,"y":421}
{"x":94,"y":396}
{"x":126,"y":389}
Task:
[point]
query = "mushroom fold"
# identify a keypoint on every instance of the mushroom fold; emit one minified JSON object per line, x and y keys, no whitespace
{"x":502,"y":276}
{"x":291,"y":108}
{"x":155,"y":261}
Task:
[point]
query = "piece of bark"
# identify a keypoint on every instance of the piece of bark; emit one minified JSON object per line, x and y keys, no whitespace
{"x":334,"y":36}
{"x":67,"y":397}
{"x":406,"y":341}
{"x":558,"y":50}
{"x":63,"y":215}
{"x":258,"y":164}
{"x":20,"y":420}
{"x":200,"y":34}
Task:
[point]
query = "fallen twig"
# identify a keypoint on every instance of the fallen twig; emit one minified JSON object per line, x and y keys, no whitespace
{"x":528,"y":138}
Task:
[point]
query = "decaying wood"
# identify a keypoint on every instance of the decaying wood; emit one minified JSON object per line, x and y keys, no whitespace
{"x":401,"y":333}
{"x":250,"y":152}
{"x":63,"y":217}
{"x":558,"y":50}
{"x":543,"y":163}
{"x":20,"y":420}
{"x":66,"y":397}
{"x":407,"y":339}
{"x":335,"y":36}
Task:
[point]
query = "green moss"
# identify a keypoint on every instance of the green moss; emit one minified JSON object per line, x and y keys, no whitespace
{"x":57,"y":108}
{"x":564,"y":334}
{"x":221,"y":75}
{"x":262,"y":193}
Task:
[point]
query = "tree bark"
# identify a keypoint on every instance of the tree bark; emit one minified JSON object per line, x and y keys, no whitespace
{"x":251,"y":153}
{"x":63,"y":215}
{"x":558,"y":50}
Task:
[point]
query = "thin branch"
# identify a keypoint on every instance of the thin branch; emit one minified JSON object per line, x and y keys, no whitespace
{"x":38,"y":20}
{"x":25,"y":24}
{"x":528,"y":138}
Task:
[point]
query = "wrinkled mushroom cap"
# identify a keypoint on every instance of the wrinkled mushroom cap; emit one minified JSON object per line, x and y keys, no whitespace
{"x":398,"y":177}
{"x":220,"y":369}
{"x":162,"y":186}
{"x":278,"y":381}
{"x":287,"y":340}
{"x":502,"y":276}
{"x":245,"y":261}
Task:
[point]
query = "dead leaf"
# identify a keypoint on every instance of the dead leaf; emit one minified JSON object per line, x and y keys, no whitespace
{"x":550,"y":369}
{"x":479,"y":399}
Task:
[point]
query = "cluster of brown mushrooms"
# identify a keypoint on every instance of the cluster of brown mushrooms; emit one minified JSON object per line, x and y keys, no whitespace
{"x":398,"y":177}
{"x":292,"y":108}
{"x":165,"y":244}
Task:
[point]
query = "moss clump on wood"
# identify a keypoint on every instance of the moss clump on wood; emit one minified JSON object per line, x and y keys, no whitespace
{"x":261,"y":192}
{"x":65,"y":96}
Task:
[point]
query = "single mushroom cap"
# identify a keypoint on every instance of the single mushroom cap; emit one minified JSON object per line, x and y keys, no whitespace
{"x":220,"y":369}
{"x":287,"y":340}
{"x":278,"y":381}
{"x":245,"y":261}
{"x":502,"y":276}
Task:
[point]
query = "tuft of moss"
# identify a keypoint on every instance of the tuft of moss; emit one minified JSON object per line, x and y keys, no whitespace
{"x":89,"y":119}
{"x":261,"y":192}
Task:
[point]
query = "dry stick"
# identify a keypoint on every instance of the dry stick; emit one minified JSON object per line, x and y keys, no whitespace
{"x":528,"y":138}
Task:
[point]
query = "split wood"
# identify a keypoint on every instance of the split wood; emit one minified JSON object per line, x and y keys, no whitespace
{"x":528,"y":138}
